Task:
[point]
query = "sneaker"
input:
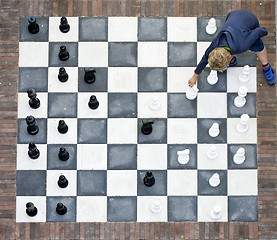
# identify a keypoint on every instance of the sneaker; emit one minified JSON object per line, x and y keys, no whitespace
{"x":233,"y":61}
{"x":270,"y":75}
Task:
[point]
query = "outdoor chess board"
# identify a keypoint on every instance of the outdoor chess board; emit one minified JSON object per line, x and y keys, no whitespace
{"x":134,"y":58}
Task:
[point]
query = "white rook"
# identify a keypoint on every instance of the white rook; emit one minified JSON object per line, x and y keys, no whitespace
{"x":156,"y":207}
{"x":244,"y":75}
{"x":155,"y":103}
{"x":216,"y":212}
{"x":212,"y":153}
{"x":242,"y":126}
{"x":212,"y":78}
{"x":240,"y":100}
{"x":214,"y":180}
{"x":183,"y":156}
{"x":191,"y":92}
{"x":214,"y":130}
{"x":239,"y":157}
{"x":211,"y":27}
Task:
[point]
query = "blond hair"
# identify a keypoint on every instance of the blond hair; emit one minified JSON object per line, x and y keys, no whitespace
{"x":219,"y":59}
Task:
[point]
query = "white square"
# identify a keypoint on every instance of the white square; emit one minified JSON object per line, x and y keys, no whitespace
{"x":122,"y":29}
{"x":122,"y":79}
{"x":180,"y":29}
{"x":144,"y":212}
{"x":55,"y":34}
{"x":212,"y":105}
{"x":92,"y":157}
{"x":242,"y":182}
{"x":152,"y":156}
{"x":24,"y":162}
{"x":91,"y":209}
{"x":178,"y":77}
{"x":181,"y":130}
{"x":144,"y":102}
{"x":122,"y":130}
{"x":53,"y":189}
{"x":182,"y":182}
{"x":201,"y":49}
{"x":25,"y":110}
{"x":152,"y":54}
{"x":121,"y":183}
{"x":84,"y":111}
{"x":33,"y":54}
{"x":93,"y":54}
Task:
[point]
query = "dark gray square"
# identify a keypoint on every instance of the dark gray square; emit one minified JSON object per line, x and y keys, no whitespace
{"x":158,"y":189}
{"x":54,"y":49}
{"x":172,"y":157}
{"x":249,"y":107}
{"x":202,"y":22}
{"x":122,"y":105}
{"x":122,"y":209}
{"x":152,"y":29}
{"x":100,"y":84}
{"x":123,"y":54}
{"x":243,"y":208}
{"x":53,"y":161}
{"x":204,"y":188}
{"x":93,"y":29}
{"x":36,"y":78}
{"x":250,"y":156}
{"x":31,"y":183}
{"x":180,"y":107}
{"x":158,"y":135}
{"x":203,"y":126}
{"x":182,"y":54}
{"x":53,"y":216}
{"x":246,"y":58}
{"x":25,"y":137}
{"x":92,"y":130}
{"x":152,"y":79}
{"x":92,"y":183}
{"x":41,"y":36}
{"x":122,"y":156}
{"x":62,"y":105}
{"x":182,"y":208}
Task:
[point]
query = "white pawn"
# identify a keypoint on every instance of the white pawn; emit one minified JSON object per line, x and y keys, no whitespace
{"x":155,"y":104}
{"x":214,"y":181}
{"x":242,"y":127}
{"x":212,"y":78}
{"x":240,"y":100}
{"x":183,"y":156}
{"x":244,"y":75}
{"x":212,"y":153}
{"x":156,"y":207}
{"x":239,"y":157}
{"x":216,"y":212}
{"x":191,"y":92}
{"x":214,"y":130}
{"x":211,"y":27}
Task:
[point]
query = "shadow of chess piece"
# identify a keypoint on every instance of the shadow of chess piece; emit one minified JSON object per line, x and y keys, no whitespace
{"x":62,"y":182}
{"x":63,"y":54}
{"x":63,"y":76}
{"x":34,"y":101}
{"x":33,"y":151}
{"x":64,"y":26}
{"x":149,"y":179}
{"x":146,"y":127}
{"x":90,"y":76}
{"x":62,"y":128}
{"x":93,"y":103}
{"x":32,"y":128}
{"x":33,"y":27}
{"x":63,"y":154}
{"x":31,"y":210}
{"x":61,"y":209}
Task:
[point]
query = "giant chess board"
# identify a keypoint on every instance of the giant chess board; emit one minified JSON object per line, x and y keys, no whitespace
{"x":135,"y":59}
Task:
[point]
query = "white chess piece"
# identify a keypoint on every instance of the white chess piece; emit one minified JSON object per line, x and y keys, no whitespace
{"x":212,"y":78}
{"x":156,"y":207}
{"x":244,"y":75}
{"x":211,"y":27}
{"x":191,"y":92}
{"x":242,"y":127}
{"x":239,"y":157}
{"x":240,"y":100}
{"x":183,"y":156}
{"x":155,"y":104}
{"x":212,"y":153}
{"x":214,"y":130}
{"x":214,"y":181}
{"x":216,"y":212}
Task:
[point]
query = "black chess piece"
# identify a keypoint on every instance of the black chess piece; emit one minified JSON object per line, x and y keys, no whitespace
{"x":34,"y":101}
{"x":31,"y":210}
{"x":61,"y":209}
{"x":63,"y":54}
{"x":93,"y":103}
{"x":63,"y":154}
{"x":33,"y":151}
{"x":64,"y":26}
{"x":90,"y":76}
{"x":62,"y":128}
{"x":62,"y":182}
{"x":33,"y":27}
{"x":149,"y":179}
{"x":32,"y":127}
{"x":63,"y":76}
{"x":146,"y":127}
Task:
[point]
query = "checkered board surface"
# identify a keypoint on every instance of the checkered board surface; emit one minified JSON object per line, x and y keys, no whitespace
{"x":134,"y":58}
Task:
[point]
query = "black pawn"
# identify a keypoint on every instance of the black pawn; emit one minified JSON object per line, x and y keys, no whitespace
{"x":32,"y":128}
{"x":63,"y":76}
{"x":61,"y":209}
{"x":64,"y":26}
{"x":63,"y":54}
{"x":33,"y":27}
{"x":93,"y":103}
{"x":63,"y":182}
{"x":62,"y":128}
{"x":90,"y":76}
{"x":63,"y":154}
{"x":146,"y":127}
{"x":33,"y":151}
{"x":31,"y":210}
{"x":34,"y":101}
{"x":149,"y":179}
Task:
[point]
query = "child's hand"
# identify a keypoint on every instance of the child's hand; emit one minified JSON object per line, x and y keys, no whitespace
{"x":192,"y":81}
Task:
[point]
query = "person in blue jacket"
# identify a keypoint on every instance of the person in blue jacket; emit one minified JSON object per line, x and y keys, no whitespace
{"x":240,"y":32}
